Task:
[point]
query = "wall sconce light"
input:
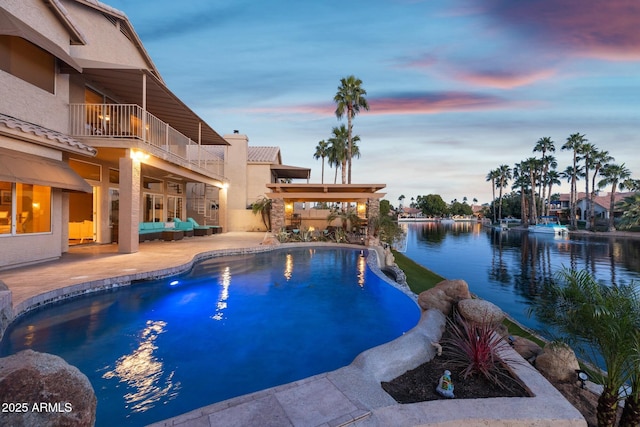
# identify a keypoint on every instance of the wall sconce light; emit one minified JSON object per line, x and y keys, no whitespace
{"x":288,"y":207}
{"x":582,"y":376}
{"x":138,"y":155}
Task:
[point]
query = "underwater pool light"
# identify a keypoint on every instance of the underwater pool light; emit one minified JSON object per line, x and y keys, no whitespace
{"x":174,"y":283}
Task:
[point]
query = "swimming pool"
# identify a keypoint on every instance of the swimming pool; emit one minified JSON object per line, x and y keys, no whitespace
{"x":231,"y":326}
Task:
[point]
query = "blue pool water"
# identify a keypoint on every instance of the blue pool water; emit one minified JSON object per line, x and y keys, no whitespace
{"x":231,"y":326}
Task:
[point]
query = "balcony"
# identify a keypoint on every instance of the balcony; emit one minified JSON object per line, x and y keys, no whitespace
{"x":111,"y":122}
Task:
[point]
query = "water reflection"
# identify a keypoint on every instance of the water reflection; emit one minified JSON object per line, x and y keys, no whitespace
{"x":288,"y":267}
{"x":143,"y":373}
{"x":510,"y":268}
{"x":362,"y":265}
{"x":225,"y":282}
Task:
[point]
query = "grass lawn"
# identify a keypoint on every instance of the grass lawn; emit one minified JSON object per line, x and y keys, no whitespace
{"x":420,"y":279}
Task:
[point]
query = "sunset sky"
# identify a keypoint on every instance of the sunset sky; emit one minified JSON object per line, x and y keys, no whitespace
{"x":455,"y":87}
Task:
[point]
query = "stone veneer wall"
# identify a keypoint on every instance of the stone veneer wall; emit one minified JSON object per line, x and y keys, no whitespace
{"x":372,"y":214}
{"x":277,"y":215}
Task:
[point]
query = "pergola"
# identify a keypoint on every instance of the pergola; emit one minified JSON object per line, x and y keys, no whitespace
{"x":366,"y":196}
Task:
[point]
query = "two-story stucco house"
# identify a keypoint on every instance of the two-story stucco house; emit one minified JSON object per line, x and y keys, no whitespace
{"x":92,"y":141}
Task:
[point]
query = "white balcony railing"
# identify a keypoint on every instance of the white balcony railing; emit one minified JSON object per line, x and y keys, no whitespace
{"x":131,"y":121}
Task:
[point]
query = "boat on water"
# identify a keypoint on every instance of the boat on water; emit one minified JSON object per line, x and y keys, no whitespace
{"x":549,"y":225}
{"x":502,"y":226}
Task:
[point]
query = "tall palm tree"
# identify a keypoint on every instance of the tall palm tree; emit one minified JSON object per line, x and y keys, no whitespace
{"x":587,"y":152}
{"x":553,"y":178}
{"x":573,"y":143}
{"x":338,"y":151}
{"x":504,"y":175}
{"x":521,"y":181}
{"x":322,"y":151}
{"x":614,"y":175}
{"x":532,"y":167}
{"x":350,"y":98}
{"x":600,"y":159}
{"x":545,"y":145}
{"x":492,"y":176}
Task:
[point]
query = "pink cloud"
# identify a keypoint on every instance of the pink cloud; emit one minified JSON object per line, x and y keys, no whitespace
{"x":433,"y":103}
{"x":606,"y":29}
{"x":502,"y":79}
{"x":409,"y":103}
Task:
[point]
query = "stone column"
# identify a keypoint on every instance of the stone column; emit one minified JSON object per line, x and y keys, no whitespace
{"x":277,"y":215}
{"x":373,"y":212}
{"x":129,"y":216}
{"x":223,"y":208}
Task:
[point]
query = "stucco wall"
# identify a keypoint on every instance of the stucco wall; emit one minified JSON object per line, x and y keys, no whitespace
{"x":105,"y":42}
{"x":23,"y":100}
{"x":244,"y":220}
{"x":258,"y":175}
{"x":29,"y":248}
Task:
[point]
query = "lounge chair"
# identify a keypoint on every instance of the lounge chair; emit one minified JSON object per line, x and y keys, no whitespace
{"x":185,"y":226}
{"x":215,"y":229}
{"x":200,"y":230}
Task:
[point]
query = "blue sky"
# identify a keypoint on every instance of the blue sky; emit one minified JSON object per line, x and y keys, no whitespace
{"x":456,"y":87}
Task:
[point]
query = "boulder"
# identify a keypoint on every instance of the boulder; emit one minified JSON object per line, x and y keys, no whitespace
{"x":557,"y":362}
{"x":45,"y":391}
{"x":526,"y":348}
{"x":444,"y":295}
{"x":480,"y":311}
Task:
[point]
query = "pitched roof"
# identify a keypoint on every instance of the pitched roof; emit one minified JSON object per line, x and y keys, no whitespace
{"x":50,"y":137}
{"x":603,"y":199}
{"x":263,"y":155}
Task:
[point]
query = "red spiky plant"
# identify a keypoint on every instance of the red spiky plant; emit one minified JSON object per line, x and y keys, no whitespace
{"x":475,"y":349}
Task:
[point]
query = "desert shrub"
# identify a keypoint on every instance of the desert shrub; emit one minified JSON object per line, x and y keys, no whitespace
{"x":475,"y":349}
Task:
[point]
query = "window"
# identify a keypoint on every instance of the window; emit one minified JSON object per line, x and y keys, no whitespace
{"x":86,"y":170}
{"x":28,"y":62}
{"x":33,"y":209}
{"x":174,"y":207}
{"x":6,"y":202}
{"x":154,"y":208}
{"x":114,"y":206}
{"x":24,"y":208}
{"x":152,"y":184}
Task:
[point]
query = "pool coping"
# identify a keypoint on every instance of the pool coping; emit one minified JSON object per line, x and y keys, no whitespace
{"x":67,"y":292}
{"x":353,"y":395}
{"x":357,"y":395}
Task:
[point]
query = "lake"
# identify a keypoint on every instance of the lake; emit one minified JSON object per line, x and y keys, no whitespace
{"x":510,"y":268}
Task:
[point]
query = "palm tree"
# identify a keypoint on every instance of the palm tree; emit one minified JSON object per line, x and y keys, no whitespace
{"x":553,"y":178}
{"x":588,"y":152}
{"x":400,"y":200}
{"x":544,"y":145}
{"x":263,"y":206}
{"x":338,"y":151}
{"x":604,"y":318}
{"x":322,"y":150}
{"x":532,"y":167}
{"x":492,"y":176}
{"x":350,"y":99}
{"x":521,"y":181}
{"x":614,"y":175}
{"x":630,"y":207}
{"x":600,"y":159}
{"x":504,"y":175}
{"x":574,"y":141}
